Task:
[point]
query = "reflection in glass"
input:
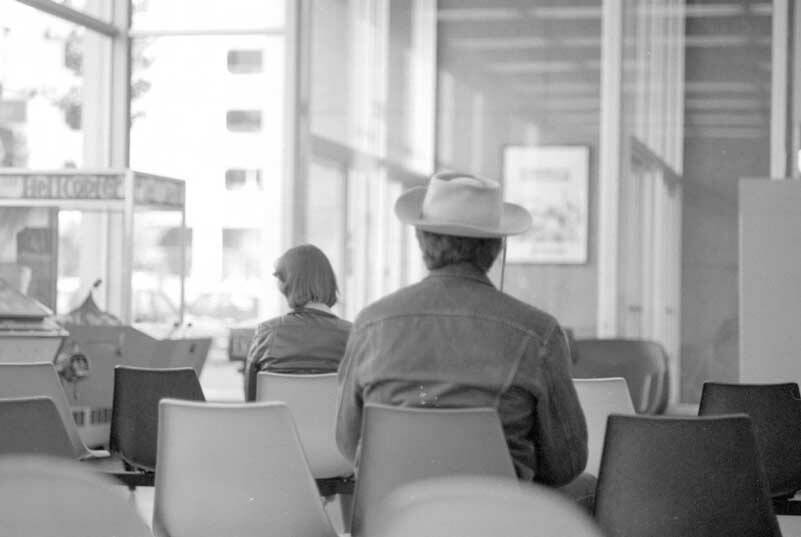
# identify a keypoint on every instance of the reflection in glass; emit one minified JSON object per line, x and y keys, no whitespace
{"x":157,"y":271}
{"x":528,"y":76}
{"x":50,"y":79}
{"x":28,"y":251}
{"x":182,"y":127}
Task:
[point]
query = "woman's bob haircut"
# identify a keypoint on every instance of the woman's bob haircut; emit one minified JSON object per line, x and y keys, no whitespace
{"x":305,"y":275}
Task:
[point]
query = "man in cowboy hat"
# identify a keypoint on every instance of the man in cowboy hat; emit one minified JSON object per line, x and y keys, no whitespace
{"x":453,"y":340}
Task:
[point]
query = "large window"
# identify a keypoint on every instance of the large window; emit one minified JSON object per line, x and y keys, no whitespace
{"x":54,"y":113}
{"x":205,"y":108}
{"x":52,"y":84}
{"x":524,"y":75}
{"x":371,"y":122}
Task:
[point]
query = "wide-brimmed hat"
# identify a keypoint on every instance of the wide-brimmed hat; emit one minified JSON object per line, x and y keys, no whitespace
{"x":463,"y":205}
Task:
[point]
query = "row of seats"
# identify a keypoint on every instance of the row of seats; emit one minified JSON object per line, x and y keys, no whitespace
{"x":400,"y":445}
{"x":79,"y":504}
{"x":659,"y":476}
{"x":774,"y":410}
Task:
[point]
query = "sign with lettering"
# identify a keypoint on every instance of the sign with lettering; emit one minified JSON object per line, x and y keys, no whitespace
{"x":153,"y":190}
{"x":62,"y":186}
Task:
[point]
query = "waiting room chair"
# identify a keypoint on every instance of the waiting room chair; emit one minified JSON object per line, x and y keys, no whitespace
{"x":775,"y":411}
{"x":599,"y":398}
{"x":403,"y":444}
{"x":41,"y":379}
{"x":41,"y":496}
{"x":233,"y":469}
{"x":33,"y":426}
{"x":675,"y":477}
{"x":644,"y":365}
{"x":135,"y":409}
{"x":312,"y":399}
{"x":478,"y":507}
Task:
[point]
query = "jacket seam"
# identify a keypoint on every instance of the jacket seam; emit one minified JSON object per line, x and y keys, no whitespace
{"x":500,"y":320}
{"x":514,"y":370}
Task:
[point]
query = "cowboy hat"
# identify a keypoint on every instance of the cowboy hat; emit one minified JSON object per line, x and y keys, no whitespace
{"x":463,"y":205}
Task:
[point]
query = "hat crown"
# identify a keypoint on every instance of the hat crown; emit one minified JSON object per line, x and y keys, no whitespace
{"x":463,"y":199}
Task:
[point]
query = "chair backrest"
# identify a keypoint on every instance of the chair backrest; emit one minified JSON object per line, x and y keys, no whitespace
{"x":233,"y":469}
{"x":135,"y":410}
{"x":312,"y":399}
{"x":45,"y":496}
{"x":478,"y":507}
{"x":775,"y":411}
{"x":599,"y":398}
{"x":41,"y":379}
{"x":643,"y":364}
{"x":403,"y":444}
{"x":33,"y":426}
{"x":683,"y":476}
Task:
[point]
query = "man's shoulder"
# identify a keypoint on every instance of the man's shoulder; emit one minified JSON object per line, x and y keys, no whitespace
{"x":527,"y":316}
{"x":487,"y":302}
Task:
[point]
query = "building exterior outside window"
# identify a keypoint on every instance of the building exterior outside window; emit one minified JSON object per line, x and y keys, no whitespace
{"x":231,"y":63}
{"x":245,"y":61}
{"x":240,"y":178}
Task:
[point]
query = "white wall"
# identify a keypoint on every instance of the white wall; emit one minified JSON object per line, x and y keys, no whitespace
{"x":770,"y":280}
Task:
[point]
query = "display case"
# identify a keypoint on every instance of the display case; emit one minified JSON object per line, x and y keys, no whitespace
{"x":66,"y":229}
{"x":103,"y":249}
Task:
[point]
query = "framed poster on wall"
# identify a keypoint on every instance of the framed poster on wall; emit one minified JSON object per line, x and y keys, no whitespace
{"x":552,"y":182}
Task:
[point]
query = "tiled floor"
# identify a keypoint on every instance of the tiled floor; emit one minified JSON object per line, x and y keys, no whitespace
{"x":220,"y":378}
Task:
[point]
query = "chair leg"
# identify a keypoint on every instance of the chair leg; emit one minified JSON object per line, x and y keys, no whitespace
{"x":346,"y":508}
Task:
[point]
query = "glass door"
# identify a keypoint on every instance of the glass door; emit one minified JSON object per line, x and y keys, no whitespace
{"x":326,"y":221}
{"x":650,"y":260}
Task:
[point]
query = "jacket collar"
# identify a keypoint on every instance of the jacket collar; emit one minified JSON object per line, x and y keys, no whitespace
{"x":461,"y":270}
{"x":315,"y":308}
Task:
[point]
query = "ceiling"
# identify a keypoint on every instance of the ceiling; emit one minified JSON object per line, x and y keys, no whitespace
{"x":542,"y":59}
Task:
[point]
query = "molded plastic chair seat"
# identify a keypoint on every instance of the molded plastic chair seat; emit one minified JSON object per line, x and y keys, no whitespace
{"x":41,"y":496}
{"x":135,"y":411}
{"x":233,"y":469}
{"x":312,"y":400}
{"x":775,"y":411}
{"x":41,"y":379}
{"x":644,"y":365}
{"x":402,"y":444}
{"x":599,"y":398}
{"x":480,"y":507}
{"x":675,"y":477}
{"x":33,"y":426}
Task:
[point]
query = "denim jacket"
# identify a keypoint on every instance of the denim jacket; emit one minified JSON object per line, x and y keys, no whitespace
{"x":454,"y":340}
{"x":304,"y":340}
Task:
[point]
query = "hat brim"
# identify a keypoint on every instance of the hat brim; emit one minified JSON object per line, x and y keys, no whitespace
{"x":409,"y":210}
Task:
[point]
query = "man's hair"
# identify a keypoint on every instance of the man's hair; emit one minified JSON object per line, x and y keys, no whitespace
{"x":443,"y":250}
{"x":306,"y":276}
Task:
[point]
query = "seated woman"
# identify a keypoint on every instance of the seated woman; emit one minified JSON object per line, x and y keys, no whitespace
{"x":310,"y":338}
